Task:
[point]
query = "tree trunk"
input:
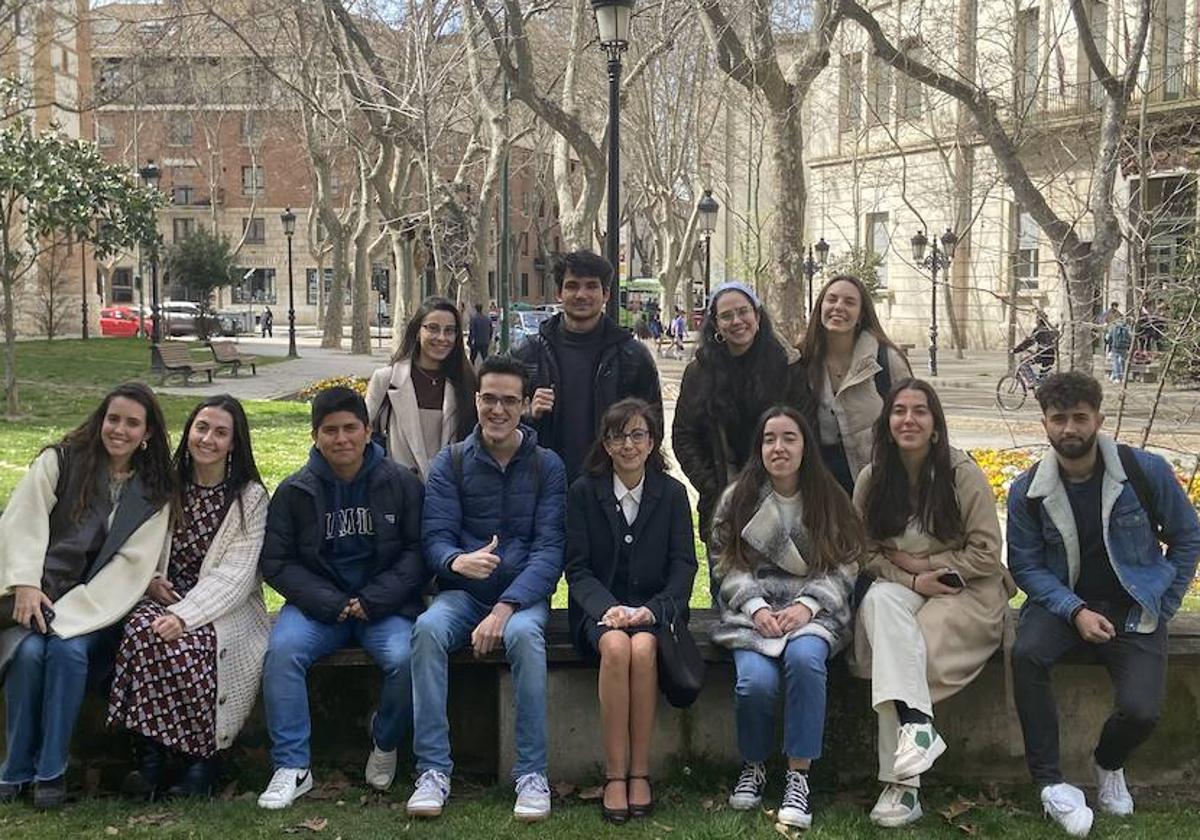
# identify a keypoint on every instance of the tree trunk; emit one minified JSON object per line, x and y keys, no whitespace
{"x":331,"y":337}
{"x":12,"y":403}
{"x":786,"y":294}
{"x":360,"y":297}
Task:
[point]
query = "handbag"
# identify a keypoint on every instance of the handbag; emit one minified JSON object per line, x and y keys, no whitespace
{"x":379,"y":429}
{"x":680,"y":666}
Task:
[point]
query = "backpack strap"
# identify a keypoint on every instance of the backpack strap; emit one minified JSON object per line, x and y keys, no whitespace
{"x":1141,"y":486}
{"x":883,"y":377}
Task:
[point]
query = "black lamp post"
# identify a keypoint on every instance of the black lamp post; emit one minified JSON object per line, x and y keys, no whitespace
{"x":150,"y":175}
{"x":289,"y":229}
{"x":83,"y":287}
{"x":708,"y":208}
{"x":936,"y":261}
{"x":612,"y":21}
{"x":812,"y":266}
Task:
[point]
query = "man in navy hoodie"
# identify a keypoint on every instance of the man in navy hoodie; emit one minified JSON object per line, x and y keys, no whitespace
{"x":343,"y":546}
{"x":493,"y":530}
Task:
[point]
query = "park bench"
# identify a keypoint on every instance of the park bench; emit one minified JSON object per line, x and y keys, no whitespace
{"x":174,"y":357}
{"x":226,"y":354}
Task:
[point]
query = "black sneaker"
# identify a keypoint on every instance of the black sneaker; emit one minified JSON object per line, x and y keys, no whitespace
{"x":51,"y":794}
{"x":796,"y":808}
{"x":11,"y":791}
{"x":748,"y":791}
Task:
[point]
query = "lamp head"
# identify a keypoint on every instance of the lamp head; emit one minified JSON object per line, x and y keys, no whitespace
{"x":919,"y":243}
{"x":708,"y":208}
{"x":822,"y":251}
{"x":289,"y":222}
{"x":150,"y":174}
{"x":612,"y":21}
{"x":949,"y":241}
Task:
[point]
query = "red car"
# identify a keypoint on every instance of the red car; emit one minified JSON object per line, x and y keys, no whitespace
{"x":119,"y":321}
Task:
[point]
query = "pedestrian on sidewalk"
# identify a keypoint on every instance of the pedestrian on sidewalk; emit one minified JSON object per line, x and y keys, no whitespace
{"x":1045,"y":338}
{"x":851,"y":365}
{"x":267,"y":322}
{"x":479,"y":337}
{"x":935,"y":613}
{"x":1086,"y":531}
{"x":1119,"y":338}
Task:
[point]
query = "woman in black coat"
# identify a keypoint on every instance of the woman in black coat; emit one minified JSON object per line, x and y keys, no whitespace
{"x":630,"y":562}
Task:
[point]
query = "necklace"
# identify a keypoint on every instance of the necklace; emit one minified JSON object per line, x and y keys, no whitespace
{"x":433,"y":380}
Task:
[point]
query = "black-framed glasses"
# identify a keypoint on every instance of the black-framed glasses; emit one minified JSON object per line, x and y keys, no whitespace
{"x":637,"y":437}
{"x":492,"y":400}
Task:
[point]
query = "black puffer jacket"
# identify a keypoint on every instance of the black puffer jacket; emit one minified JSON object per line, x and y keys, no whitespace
{"x":291,"y":558}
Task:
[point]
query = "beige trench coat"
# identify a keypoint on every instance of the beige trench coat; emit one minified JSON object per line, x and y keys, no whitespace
{"x":961,"y":631}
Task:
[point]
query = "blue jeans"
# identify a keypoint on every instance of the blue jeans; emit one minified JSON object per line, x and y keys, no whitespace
{"x":43,"y":691}
{"x":1118,"y":364}
{"x":445,"y":627}
{"x":298,"y":641}
{"x":756,"y":695}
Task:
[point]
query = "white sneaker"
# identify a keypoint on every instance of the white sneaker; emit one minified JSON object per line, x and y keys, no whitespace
{"x":286,"y":786}
{"x":1066,"y":805}
{"x":897,"y":806}
{"x":381,"y":768}
{"x":429,"y":794}
{"x":533,"y":798}
{"x":748,"y":790}
{"x":919,"y":745}
{"x":1112,"y":795}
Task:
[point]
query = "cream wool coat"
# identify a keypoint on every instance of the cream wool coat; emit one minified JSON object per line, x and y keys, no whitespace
{"x":116,"y":588}
{"x":229,"y":596}
{"x":961,"y":631}
{"x":857,"y":403}
{"x":406,"y":443}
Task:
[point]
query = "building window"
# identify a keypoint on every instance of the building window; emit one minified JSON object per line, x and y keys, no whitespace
{"x":1170,"y":207}
{"x":255,"y":285}
{"x":105,"y":136}
{"x":1168,"y":68}
{"x":524,"y":284}
{"x":179,"y":130}
{"x":879,"y":93}
{"x":181,"y":229}
{"x":255,"y":230}
{"x":1025,"y":263}
{"x":252,"y":128}
{"x":878,"y":239}
{"x":850,"y":91}
{"x":122,"y":286}
{"x":908,"y":93}
{"x":1097,"y":14}
{"x":524,"y":244}
{"x":254,"y":181}
{"x":1028,"y":62}
{"x":183,"y":195}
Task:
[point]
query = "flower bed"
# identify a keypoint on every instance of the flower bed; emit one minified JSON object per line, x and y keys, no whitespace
{"x":358,"y":383}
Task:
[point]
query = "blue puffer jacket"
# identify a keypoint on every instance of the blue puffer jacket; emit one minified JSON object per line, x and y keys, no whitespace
{"x":1043,"y":551}
{"x":528,"y":515}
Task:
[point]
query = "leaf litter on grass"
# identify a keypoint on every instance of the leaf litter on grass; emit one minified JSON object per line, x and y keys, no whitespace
{"x":313,"y":824}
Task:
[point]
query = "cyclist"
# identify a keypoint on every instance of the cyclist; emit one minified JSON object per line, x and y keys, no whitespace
{"x":1045,"y":338}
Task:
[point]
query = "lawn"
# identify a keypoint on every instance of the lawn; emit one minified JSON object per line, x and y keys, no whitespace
{"x":689,"y":807}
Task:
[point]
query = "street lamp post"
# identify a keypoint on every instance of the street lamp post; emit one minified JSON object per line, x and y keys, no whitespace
{"x":83,"y":287}
{"x":289,"y":229}
{"x":936,"y":261}
{"x":150,"y":175}
{"x":812,"y":266}
{"x":612,"y":21}
{"x":708,"y":209}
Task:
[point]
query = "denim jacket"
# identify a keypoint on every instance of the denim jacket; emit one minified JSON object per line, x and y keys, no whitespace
{"x":1044,"y":556}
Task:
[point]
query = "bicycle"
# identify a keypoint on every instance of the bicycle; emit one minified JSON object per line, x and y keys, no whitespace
{"x":1013,"y":388}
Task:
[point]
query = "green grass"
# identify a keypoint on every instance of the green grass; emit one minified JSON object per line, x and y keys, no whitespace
{"x":688,"y":808}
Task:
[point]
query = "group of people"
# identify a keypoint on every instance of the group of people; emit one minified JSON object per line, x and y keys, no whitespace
{"x":440,"y":512}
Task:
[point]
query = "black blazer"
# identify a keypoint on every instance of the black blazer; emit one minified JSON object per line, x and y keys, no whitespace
{"x":662,"y":563}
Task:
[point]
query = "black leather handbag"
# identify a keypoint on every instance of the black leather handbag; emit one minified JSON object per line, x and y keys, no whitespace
{"x":680,"y":666}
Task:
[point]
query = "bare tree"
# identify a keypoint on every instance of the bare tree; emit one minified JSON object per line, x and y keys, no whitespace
{"x":54,"y":295}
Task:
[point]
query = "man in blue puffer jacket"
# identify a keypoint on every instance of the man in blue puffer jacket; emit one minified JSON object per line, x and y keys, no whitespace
{"x":1086,"y":529}
{"x":493,"y":532}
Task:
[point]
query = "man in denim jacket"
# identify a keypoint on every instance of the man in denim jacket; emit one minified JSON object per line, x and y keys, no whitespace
{"x":1084,"y":548}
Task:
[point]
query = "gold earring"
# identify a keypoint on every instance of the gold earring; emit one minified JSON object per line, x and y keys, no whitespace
{"x":145,"y":445}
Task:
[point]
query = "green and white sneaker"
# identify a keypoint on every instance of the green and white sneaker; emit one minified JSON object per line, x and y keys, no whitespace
{"x":919,"y":747}
{"x":897,"y":806}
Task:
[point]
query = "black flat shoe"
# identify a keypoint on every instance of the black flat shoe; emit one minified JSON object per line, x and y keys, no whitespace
{"x":198,"y":780}
{"x":616,"y":816}
{"x":10,"y":792}
{"x":145,"y":781}
{"x":50,"y":795}
{"x":644,"y":809}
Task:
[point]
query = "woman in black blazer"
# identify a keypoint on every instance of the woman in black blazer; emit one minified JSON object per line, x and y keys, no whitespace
{"x":630,"y":561}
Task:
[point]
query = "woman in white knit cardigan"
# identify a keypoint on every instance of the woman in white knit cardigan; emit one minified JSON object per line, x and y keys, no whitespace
{"x":191,"y":654}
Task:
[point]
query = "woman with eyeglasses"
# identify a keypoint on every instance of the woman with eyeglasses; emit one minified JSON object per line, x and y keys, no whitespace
{"x":80,"y":539}
{"x":424,"y":400}
{"x":851,"y":365}
{"x":740,"y":369}
{"x":630,"y":562}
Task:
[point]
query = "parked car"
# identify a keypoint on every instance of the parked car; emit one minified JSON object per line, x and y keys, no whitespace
{"x":119,"y":321}
{"x":182,"y":317}
{"x":523,"y":325}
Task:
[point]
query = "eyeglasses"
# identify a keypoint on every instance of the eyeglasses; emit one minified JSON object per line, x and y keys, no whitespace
{"x":492,"y":400}
{"x":433,"y":331}
{"x":637,"y":437}
{"x":728,"y":316}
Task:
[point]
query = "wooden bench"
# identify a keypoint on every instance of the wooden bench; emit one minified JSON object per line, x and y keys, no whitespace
{"x":226,"y":354}
{"x":175,"y":357}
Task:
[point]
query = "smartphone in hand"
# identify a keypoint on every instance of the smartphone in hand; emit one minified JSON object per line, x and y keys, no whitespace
{"x":952,"y":579}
